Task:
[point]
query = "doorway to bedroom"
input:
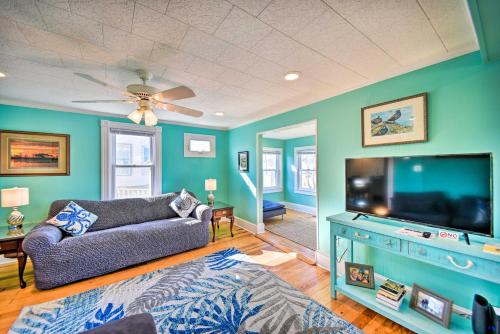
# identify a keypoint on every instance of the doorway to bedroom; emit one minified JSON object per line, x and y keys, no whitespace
{"x":287,"y":183}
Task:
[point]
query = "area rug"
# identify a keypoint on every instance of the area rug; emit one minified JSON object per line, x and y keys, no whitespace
{"x":225,"y":292}
{"x":296,"y":226}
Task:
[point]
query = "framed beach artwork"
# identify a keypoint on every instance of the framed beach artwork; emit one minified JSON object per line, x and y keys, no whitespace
{"x":33,"y":153}
{"x":401,"y":121}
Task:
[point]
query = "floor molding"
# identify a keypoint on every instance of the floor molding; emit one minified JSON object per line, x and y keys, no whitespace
{"x":249,"y":226}
{"x":299,"y":207}
{"x":322,"y":260}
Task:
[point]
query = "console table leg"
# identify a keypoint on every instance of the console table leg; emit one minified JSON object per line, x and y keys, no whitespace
{"x":351,"y":253}
{"x":333,"y":268}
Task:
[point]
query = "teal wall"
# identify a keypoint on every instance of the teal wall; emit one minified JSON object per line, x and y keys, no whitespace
{"x":464,"y":117}
{"x":85,"y":148}
{"x":290,"y":195}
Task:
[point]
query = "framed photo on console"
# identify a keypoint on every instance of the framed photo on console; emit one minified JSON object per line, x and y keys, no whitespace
{"x":432,"y":305}
{"x":360,"y":275}
{"x":400,"y":121}
{"x":33,"y":153}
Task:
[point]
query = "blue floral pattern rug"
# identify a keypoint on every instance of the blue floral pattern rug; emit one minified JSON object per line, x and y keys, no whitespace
{"x":224,"y":292}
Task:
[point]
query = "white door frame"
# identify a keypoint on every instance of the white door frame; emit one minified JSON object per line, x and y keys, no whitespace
{"x":259,"y":187}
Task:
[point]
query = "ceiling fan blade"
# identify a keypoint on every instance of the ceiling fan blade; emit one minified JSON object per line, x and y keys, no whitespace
{"x":177,"y":93}
{"x":102,"y":83}
{"x":103,"y":101}
{"x":179,"y":109}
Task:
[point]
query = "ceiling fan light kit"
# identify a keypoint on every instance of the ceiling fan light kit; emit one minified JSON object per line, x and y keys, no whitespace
{"x":147,"y":98}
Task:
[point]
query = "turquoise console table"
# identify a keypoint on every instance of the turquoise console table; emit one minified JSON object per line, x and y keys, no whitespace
{"x":451,"y":255}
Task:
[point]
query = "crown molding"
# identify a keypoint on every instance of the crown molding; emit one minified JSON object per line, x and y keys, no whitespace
{"x":39,"y":105}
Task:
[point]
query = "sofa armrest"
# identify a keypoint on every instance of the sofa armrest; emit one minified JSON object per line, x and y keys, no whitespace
{"x":41,"y":237}
{"x":202,"y":212}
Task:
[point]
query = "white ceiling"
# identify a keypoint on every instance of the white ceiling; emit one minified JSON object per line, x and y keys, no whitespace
{"x":233,"y":54}
{"x":293,"y":131}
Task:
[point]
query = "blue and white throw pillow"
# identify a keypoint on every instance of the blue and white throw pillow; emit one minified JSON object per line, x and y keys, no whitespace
{"x":73,"y":219}
{"x":184,"y":204}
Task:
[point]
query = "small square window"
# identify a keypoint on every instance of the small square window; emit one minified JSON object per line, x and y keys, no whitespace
{"x":199,"y":146}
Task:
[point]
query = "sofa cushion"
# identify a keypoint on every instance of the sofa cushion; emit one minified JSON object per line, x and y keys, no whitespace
{"x":73,"y":219}
{"x":120,"y":212}
{"x":184,"y":204}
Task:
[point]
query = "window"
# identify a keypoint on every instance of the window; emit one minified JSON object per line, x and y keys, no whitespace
{"x":199,"y":146}
{"x":305,"y":161}
{"x":272,"y":163}
{"x":131,"y":160}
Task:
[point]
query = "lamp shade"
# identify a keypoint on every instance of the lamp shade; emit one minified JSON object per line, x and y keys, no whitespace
{"x":210,"y":184}
{"x":15,"y":197}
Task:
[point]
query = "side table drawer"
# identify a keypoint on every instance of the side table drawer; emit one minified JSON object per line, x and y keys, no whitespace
{"x":6,"y":246}
{"x":223,"y":213}
{"x":466,"y":264}
{"x":367,"y":237}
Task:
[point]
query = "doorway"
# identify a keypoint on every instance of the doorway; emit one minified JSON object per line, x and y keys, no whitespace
{"x":287,"y":187}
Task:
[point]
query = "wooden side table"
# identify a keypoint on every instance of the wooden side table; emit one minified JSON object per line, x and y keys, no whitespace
{"x":11,"y":247}
{"x":220,"y":210}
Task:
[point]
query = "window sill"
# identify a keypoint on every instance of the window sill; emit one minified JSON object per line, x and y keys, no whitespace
{"x":272,"y":190}
{"x":307,"y":193}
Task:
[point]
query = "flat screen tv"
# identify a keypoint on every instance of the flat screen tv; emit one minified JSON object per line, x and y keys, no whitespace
{"x":444,"y":191}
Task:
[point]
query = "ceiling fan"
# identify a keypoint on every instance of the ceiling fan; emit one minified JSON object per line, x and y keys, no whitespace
{"x":147,"y":98}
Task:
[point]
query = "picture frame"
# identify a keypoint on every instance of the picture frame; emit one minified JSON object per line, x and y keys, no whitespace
{"x":243,"y":163}
{"x":24,"y":153}
{"x":432,"y":305}
{"x":401,"y":121}
{"x":361,"y":275}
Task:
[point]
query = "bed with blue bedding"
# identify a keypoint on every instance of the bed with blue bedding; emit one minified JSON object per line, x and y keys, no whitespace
{"x":273,"y":209}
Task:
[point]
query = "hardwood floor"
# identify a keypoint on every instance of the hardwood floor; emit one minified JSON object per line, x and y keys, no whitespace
{"x":311,"y":280}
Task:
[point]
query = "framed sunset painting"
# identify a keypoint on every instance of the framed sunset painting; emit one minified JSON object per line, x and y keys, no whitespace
{"x":401,"y":121}
{"x":33,"y":153}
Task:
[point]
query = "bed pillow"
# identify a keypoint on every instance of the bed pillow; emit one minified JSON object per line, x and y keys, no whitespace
{"x":73,"y":219}
{"x":184,"y":204}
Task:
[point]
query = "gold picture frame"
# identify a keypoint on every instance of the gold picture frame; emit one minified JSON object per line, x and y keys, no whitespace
{"x":25,"y":153}
{"x":401,"y":121}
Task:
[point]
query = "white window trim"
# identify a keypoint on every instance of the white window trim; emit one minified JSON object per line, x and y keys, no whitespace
{"x":196,"y":136}
{"x":106,"y":149}
{"x":279,"y":187}
{"x":296,"y":178}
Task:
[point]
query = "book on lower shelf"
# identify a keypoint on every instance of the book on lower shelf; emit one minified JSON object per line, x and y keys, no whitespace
{"x":391,"y":294}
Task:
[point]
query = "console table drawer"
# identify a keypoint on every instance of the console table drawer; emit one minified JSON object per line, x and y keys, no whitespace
{"x":467,"y":264}
{"x":367,"y":237}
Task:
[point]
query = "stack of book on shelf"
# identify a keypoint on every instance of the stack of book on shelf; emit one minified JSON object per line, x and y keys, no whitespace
{"x":391,"y":294}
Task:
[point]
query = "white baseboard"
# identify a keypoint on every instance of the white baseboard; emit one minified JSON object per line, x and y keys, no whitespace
{"x":299,"y":207}
{"x":250,"y":227}
{"x":322,"y":260}
{"x":4,"y":261}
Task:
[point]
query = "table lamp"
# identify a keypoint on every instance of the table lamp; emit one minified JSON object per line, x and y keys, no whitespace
{"x":211,"y":185}
{"x":13,"y":198}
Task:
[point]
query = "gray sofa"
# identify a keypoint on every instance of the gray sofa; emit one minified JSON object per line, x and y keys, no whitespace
{"x":127,"y":232}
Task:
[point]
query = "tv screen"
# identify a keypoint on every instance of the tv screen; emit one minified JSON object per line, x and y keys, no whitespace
{"x":446,"y":191}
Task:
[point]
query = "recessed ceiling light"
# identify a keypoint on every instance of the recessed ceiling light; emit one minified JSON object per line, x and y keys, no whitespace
{"x":219,"y":114}
{"x":292,"y":75}
{"x":2,"y":75}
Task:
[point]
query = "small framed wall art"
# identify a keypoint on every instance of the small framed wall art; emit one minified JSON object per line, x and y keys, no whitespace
{"x":33,"y":153}
{"x":401,"y":121}
{"x":243,"y":161}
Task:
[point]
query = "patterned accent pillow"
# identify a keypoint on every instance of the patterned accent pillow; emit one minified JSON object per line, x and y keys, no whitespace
{"x":184,"y":204}
{"x":73,"y":219}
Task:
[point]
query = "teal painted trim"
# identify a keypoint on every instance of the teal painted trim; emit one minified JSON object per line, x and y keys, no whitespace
{"x":478,"y":27}
{"x":485,"y":14}
{"x":85,"y":155}
{"x":276,"y":196}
